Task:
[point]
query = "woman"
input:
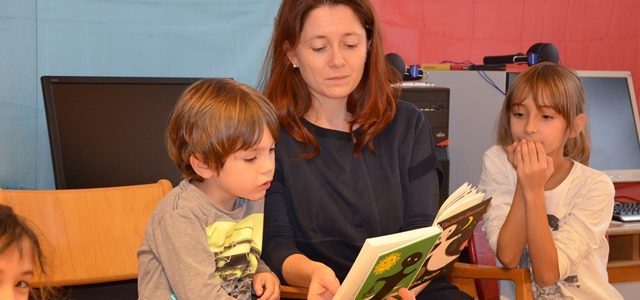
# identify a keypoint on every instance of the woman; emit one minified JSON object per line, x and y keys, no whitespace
{"x":352,"y":162}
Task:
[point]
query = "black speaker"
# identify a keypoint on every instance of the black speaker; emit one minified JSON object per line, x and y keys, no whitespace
{"x":434,"y":103}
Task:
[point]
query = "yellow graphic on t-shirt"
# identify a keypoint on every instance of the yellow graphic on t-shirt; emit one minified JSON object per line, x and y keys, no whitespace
{"x":236,"y":247}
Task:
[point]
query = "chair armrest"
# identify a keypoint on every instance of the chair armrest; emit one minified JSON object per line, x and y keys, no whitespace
{"x":521,"y":277}
{"x":464,"y":270}
{"x":293,"y":292}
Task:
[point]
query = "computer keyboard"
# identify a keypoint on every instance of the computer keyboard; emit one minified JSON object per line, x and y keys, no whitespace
{"x":626,"y":212}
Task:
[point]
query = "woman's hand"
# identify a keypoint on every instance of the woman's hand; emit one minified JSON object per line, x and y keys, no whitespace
{"x":324,"y":283}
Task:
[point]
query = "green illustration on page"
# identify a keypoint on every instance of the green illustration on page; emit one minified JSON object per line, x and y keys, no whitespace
{"x":394,"y":269}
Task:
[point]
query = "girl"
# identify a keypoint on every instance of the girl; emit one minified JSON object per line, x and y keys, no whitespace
{"x":19,"y":252}
{"x":549,"y":212}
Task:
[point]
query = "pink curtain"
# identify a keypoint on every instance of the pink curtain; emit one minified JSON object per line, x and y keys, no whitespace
{"x":589,"y":34}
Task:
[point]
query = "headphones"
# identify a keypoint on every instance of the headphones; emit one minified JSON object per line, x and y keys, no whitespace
{"x":414,"y":72}
{"x":540,"y":52}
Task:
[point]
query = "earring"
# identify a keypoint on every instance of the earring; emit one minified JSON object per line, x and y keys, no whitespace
{"x":295,"y":66}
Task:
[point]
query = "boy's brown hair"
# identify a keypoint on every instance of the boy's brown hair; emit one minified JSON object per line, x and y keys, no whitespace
{"x":215,"y":118}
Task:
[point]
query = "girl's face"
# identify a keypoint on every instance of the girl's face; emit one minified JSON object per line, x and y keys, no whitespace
{"x":16,"y":271}
{"x":542,"y":124}
{"x":331,"y":53}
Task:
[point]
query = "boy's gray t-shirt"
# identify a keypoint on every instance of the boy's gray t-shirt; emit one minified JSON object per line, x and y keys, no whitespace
{"x":196,"y":250}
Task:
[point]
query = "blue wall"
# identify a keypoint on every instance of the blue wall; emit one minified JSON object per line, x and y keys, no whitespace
{"x":169,"y":38}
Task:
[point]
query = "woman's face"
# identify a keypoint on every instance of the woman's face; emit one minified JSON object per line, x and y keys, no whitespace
{"x":331,"y":52}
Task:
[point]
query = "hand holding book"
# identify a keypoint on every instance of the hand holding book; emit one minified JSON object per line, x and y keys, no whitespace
{"x":412,"y":258}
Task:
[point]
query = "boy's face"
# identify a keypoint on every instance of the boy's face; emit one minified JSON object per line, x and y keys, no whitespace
{"x":247,"y":173}
{"x":15,"y":272}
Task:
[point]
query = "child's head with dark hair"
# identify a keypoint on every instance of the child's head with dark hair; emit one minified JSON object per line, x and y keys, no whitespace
{"x":20,"y":257}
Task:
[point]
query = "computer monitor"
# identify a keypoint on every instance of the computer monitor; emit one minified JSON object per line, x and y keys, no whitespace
{"x":108,"y":131}
{"x":613,"y":121}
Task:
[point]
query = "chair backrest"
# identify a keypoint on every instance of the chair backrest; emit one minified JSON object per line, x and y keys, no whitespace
{"x":89,"y":235}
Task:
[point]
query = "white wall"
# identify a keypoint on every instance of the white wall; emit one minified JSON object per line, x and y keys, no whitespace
{"x":473,"y":109}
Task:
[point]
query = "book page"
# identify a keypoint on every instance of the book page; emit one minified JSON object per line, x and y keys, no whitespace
{"x":386,"y":263}
{"x":456,"y":230}
{"x":454,"y":197}
{"x":462,"y":198}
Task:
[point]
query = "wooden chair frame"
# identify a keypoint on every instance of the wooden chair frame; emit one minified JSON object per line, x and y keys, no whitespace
{"x":92,"y":236}
{"x":89,"y":235}
{"x":469,"y":272}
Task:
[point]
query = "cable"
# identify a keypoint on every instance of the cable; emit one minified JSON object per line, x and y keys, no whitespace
{"x":464,"y":62}
{"x":471,"y":66}
{"x":490,"y":81}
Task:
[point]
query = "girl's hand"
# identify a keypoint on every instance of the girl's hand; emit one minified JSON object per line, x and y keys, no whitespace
{"x":534,"y":167}
{"x":267,"y":286}
{"x":511,"y":154}
{"x":324,"y":284}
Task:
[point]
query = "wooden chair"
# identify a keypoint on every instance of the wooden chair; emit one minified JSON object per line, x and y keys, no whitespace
{"x":465,"y":277}
{"x":89,"y":235}
{"x":292,"y":292}
{"x":483,"y":260}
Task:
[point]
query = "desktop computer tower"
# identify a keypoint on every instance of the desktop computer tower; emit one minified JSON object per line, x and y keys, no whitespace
{"x":434,"y":103}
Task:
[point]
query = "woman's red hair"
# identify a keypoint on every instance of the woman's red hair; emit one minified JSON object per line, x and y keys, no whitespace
{"x":372,"y":104}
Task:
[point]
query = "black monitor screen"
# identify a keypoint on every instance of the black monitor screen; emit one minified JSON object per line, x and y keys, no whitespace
{"x":109,"y":131}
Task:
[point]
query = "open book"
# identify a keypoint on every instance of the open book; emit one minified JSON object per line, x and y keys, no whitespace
{"x":411,"y":258}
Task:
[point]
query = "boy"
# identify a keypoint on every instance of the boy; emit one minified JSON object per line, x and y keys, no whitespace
{"x":204,"y":239}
